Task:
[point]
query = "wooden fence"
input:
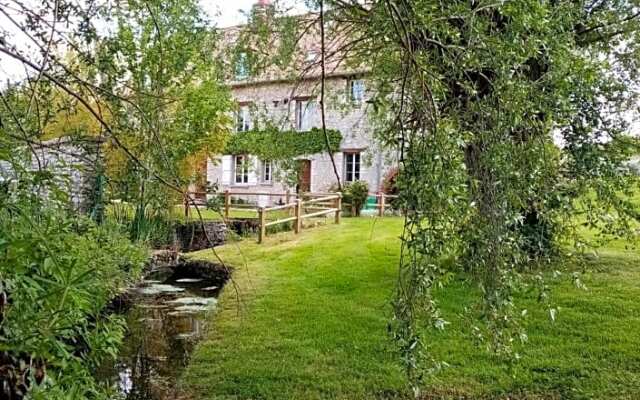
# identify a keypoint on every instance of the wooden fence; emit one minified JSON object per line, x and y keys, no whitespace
{"x":228,"y":206}
{"x":300,"y":207}
{"x":381,"y":202}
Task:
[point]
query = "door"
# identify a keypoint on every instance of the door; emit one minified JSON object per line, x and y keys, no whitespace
{"x":304,"y":176}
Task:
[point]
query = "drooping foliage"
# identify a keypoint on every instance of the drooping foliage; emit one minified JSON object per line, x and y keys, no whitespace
{"x":511,"y":123}
{"x":166,"y":94}
{"x":473,"y":94}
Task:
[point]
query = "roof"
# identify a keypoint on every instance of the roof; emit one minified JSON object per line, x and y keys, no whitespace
{"x":305,"y":63}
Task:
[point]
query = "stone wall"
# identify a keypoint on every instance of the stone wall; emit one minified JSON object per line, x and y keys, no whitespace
{"x":191,"y":236}
{"x":72,"y":166}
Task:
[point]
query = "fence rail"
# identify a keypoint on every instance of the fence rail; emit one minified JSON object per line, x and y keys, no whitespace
{"x":381,"y":202}
{"x":299,"y":213}
{"x":315,"y":204}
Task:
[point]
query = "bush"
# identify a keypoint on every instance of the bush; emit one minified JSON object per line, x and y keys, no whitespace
{"x":58,"y":272}
{"x":389,"y":184}
{"x":390,"y":187}
{"x":356,"y":194}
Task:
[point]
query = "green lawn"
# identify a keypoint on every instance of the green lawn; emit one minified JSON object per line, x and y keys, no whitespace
{"x":308,"y":316}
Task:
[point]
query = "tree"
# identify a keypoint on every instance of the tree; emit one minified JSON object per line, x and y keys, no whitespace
{"x":167,"y":96}
{"x":477,"y":89}
{"x":471,"y":95}
{"x":59,"y":270}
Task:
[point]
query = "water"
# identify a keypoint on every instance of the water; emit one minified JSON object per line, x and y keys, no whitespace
{"x":165,"y":318}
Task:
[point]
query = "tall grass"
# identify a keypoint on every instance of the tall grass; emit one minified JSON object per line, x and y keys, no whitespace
{"x":154,"y":227}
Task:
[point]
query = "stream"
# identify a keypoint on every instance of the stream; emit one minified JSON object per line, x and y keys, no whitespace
{"x":165,"y":316}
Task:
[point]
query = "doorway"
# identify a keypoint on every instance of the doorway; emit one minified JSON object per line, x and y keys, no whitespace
{"x":304,"y":176}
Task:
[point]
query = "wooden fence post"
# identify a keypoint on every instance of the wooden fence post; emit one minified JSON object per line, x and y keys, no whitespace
{"x":338,"y":207}
{"x":298,"y":226}
{"x":382,"y":204}
{"x":263,"y":229}
{"x":287,"y":198}
{"x":187,"y":206}
{"x":227,"y":204}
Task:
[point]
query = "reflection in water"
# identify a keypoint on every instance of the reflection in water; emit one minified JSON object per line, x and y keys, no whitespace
{"x":165,"y":320}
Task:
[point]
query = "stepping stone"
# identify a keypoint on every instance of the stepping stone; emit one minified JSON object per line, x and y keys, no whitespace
{"x":157,"y":289}
{"x":190,"y":301}
{"x":193,"y":308}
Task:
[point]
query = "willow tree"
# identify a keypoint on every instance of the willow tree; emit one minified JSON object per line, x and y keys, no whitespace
{"x":510,"y":119}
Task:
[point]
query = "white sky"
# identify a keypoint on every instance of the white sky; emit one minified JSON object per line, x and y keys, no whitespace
{"x":222,"y":13}
{"x":229,"y":12}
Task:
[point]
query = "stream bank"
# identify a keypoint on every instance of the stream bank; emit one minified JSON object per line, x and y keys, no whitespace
{"x":165,"y":316}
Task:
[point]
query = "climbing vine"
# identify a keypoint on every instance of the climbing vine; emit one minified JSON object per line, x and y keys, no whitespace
{"x":273,"y":144}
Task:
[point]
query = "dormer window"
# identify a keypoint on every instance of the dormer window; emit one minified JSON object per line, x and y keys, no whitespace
{"x":241,"y":67}
{"x":311,"y":56}
{"x":356,"y":90}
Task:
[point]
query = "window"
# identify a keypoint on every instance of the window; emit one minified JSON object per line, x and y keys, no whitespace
{"x":356,"y":90}
{"x":241,"y":169}
{"x":311,"y":56}
{"x":241,"y":67}
{"x":305,"y":111}
{"x":267,"y":171}
{"x":243,"y":119}
{"x":351,"y":167}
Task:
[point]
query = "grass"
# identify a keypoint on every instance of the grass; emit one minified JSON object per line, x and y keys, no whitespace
{"x":308,"y":321}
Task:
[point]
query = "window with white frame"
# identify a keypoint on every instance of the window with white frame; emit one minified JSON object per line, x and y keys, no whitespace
{"x":241,"y":169}
{"x":243,"y":119}
{"x":311,"y":56}
{"x":351,"y":167}
{"x":241,"y":68}
{"x":356,"y":90}
{"x":267,"y":171}
{"x":305,"y":113}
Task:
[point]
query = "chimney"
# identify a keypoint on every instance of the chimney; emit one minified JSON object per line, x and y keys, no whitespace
{"x":261,"y":7}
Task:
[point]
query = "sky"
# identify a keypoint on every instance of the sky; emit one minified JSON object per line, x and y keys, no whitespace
{"x":222,"y":13}
{"x":229,"y":12}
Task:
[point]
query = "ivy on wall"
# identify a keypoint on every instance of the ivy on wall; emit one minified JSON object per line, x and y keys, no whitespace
{"x":276,"y":145}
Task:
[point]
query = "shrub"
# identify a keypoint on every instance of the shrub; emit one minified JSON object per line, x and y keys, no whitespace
{"x":356,"y":194}
{"x":57,"y":274}
{"x":389,"y":184}
{"x":390,"y":187}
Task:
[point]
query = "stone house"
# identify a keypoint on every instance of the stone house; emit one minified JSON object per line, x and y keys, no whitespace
{"x":290,"y":100}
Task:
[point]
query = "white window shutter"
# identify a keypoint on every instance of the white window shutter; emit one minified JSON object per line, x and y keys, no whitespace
{"x":227,"y":170}
{"x":254,"y":170}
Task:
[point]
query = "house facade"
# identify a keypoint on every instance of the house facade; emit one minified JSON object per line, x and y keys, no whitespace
{"x":294,"y":104}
